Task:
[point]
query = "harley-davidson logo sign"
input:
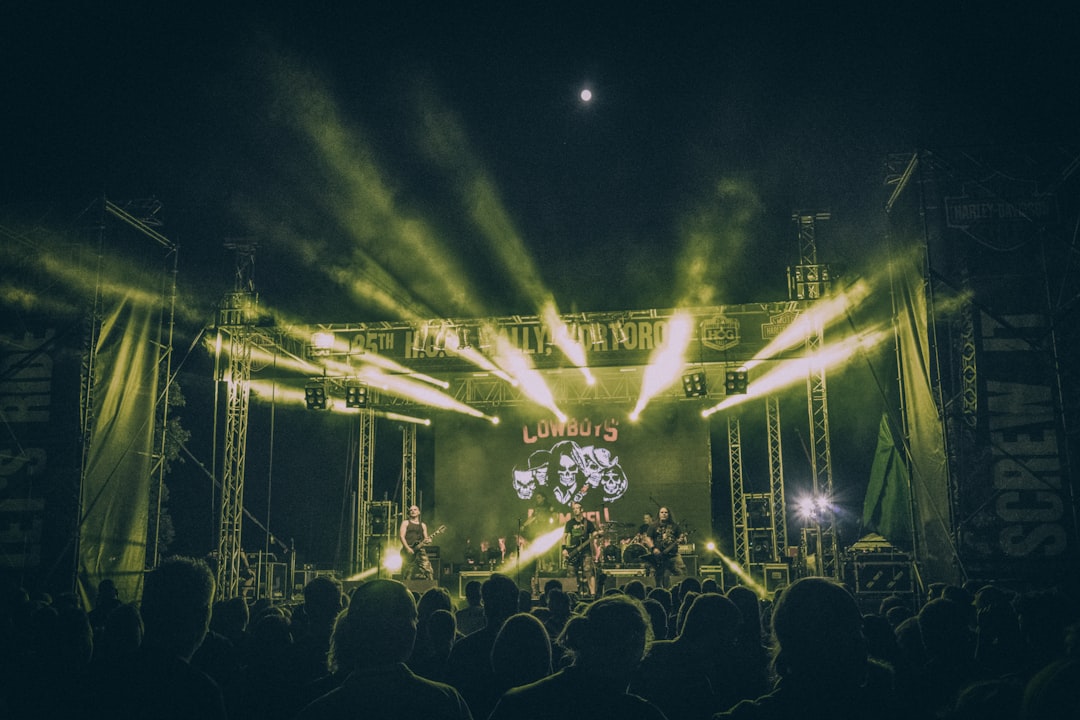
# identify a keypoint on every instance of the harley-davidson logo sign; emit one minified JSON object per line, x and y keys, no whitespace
{"x":720,"y":333}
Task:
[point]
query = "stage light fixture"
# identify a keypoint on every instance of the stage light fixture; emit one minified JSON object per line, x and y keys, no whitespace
{"x":735,"y":382}
{"x":619,"y":329}
{"x":439,"y":343}
{"x":315,"y":396}
{"x":695,"y":384}
{"x":596,"y":334}
{"x":420,"y":339}
{"x":356,"y":396}
{"x":322,"y":344}
{"x":464,"y":338}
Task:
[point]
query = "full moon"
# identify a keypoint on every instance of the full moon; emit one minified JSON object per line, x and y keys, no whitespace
{"x":586,"y":95}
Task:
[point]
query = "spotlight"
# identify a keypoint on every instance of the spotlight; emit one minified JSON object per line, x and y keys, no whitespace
{"x":315,"y":396}
{"x":695,"y":385}
{"x":322,"y":344}
{"x":620,"y":333}
{"x":420,"y":338}
{"x":596,"y":334}
{"x":464,"y":339}
{"x":439,"y":343}
{"x":735,"y":382}
{"x":356,"y":396}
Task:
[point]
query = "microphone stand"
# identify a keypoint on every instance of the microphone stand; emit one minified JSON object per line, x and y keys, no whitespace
{"x":517,"y":565}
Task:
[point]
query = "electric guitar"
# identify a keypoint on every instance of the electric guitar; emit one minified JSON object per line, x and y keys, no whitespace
{"x":669,"y":550}
{"x":426,"y":541}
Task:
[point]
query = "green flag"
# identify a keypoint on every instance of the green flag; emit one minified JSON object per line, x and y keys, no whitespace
{"x":887,"y":507}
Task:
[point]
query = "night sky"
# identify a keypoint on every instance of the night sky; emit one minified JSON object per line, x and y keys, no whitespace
{"x":443,"y":150}
{"x":713,"y":119}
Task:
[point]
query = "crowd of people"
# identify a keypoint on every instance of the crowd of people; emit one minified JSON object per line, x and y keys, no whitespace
{"x":692,"y":651}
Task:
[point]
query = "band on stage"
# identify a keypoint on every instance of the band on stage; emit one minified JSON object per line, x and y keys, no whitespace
{"x":587,"y":549}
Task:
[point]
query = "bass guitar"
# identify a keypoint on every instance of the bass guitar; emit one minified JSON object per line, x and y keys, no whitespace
{"x":574,"y":554}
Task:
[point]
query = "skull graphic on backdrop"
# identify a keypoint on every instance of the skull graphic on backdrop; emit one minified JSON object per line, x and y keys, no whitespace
{"x":532,"y":475}
{"x":571,"y":471}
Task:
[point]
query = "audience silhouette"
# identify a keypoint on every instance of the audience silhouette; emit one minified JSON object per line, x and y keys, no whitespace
{"x":470,"y":668}
{"x":820,"y":659}
{"x":607,"y":642}
{"x":980,"y":651}
{"x":158,"y":681}
{"x":471,"y":617}
{"x":692,"y":676}
{"x":373,"y":639}
{"x":521,"y":653}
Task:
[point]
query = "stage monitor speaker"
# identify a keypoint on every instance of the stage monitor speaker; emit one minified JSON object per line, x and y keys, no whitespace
{"x":770,"y":576}
{"x":691,"y":562}
{"x":890,"y":576}
{"x":569,"y":584}
{"x":619,"y":578}
{"x":466,"y":575}
{"x":716,"y":572}
{"x":776,"y":577}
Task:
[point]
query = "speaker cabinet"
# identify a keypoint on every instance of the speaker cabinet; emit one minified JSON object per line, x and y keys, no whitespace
{"x":883,"y":577}
{"x":716,"y":572}
{"x":770,"y":576}
{"x":569,"y":584}
{"x":776,"y":577}
{"x":618,"y":578}
{"x":466,"y":575}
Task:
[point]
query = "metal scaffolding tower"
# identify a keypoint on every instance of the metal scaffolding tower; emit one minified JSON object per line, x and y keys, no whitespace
{"x":738,"y":498}
{"x":759,"y":518}
{"x":818,"y":284}
{"x":236,"y":322}
{"x":408,"y":467}
{"x":366,"y":505}
{"x":778,"y":530}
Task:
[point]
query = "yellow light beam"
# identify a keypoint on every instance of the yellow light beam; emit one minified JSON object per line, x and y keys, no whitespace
{"x":532,"y":551}
{"x":791,"y":372}
{"x":666,"y":363}
{"x":531,"y":382}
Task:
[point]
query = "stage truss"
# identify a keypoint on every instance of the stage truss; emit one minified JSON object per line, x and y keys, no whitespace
{"x":618,"y":379}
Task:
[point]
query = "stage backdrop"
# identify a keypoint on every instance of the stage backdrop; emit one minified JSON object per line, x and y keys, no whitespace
{"x":486,"y":475}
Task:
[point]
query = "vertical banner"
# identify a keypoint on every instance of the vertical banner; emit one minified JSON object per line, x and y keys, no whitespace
{"x":487,"y":476}
{"x":999,"y":245}
{"x":933,"y":543}
{"x":39,"y":451}
{"x":116,"y":483}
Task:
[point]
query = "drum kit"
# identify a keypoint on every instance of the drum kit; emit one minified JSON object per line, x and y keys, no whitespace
{"x":622,"y":546}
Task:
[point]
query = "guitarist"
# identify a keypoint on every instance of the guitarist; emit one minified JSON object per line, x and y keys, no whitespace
{"x":414,"y":536}
{"x":665,"y":536}
{"x":578,"y":550}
